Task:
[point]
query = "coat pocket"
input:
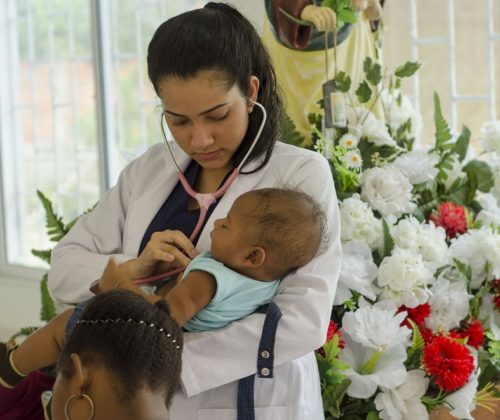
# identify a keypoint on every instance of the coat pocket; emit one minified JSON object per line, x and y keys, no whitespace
{"x":261,"y":413}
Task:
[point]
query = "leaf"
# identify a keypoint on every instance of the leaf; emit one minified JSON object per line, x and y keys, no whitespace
{"x":363,"y":92}
{"x":465,"y":269}
{"x":346,"y":15}
{"x":388,"y":241}
{"x":55,"y":227}
{"x":48,"y":310}
{"x":417,"y":342}
{"x":407,"y":69}
{"x":24,"y":332}
{"x":373,"y":415}
{"x":443,"y":133}
{"x":43,"y":254}
{"x":462,"y":143}
{"x":343,"y":81}
{"x":373,"y":71}
{"x":290,"y":133}
{"x":483,"y":174}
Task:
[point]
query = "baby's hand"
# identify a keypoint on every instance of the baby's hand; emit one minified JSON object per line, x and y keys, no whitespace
{"x":113,"y":276}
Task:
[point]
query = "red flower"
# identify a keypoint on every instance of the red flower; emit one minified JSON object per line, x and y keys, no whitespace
{"x":496,"y":301}
{"x":451,"y":217}
{"x":473,"y":330}
{"x":333,"y":329}
{"x":417,"y":314}
{"x":449,"y":363}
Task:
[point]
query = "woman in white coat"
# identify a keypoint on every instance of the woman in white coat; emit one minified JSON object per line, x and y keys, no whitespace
{"x":209,"y":67}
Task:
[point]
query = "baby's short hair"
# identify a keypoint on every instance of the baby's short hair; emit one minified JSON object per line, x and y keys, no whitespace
{"x":291,"y":227}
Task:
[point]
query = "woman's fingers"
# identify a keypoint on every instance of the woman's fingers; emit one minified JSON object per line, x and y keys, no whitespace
{"x":176,"y":238}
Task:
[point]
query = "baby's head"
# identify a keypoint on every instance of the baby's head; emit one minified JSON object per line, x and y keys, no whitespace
{"x":125,"y":354}
{"x":269,"y":233}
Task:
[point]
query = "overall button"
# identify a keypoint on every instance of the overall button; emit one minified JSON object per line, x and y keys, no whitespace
{"x":265,"y":372}
{"x":265,"y":354}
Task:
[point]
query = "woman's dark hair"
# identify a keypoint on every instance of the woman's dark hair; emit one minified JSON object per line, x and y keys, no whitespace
{"x":219,"y":38}
{"x":137,"y":341}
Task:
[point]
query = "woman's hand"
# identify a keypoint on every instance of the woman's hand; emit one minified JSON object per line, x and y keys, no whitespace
{"x":165,"y":251}
{"x":323,"y":18}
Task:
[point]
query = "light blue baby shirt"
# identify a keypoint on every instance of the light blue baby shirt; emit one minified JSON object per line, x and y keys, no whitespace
{"x":236,"y":296}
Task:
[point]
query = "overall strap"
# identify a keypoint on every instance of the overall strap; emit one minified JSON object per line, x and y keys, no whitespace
{"x":265,"y":361}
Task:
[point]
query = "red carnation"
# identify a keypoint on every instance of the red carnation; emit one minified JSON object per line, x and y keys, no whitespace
{"x":473,"y":330}
{"x":449,"y":363}
{"x":333,"y":329}
{"x":417,"y":314}
{"x":496,"y":301}
{"x":451,"y":217}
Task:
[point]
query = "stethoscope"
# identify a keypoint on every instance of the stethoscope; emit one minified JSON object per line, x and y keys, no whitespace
{"x":204,"y":200}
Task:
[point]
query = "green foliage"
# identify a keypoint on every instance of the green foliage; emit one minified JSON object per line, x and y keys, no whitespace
{"x":388,"y":241}
{"x":482,"y":173}
{"x":407,"y":69}
{"x":343,"y":10}
{"x":55,"y":227}
{"x":462,"y":143}
{"x":48,"y":310}
{"x":43,"y":254}
{"x":443,"y":134}
{"x":363,"y":92}
{"x":373,"y":71}
{"x":24,"y":332}
{"x":343,"y":81}
{"x":290,"y":133}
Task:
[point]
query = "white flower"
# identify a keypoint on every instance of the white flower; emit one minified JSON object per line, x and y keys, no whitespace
{"x":357,"y":272}
{"x":369,"y":126}
{"x":454,"y":173}
{"x":491,"y":136}
{"x":353,"y":159}
{"x":359,"y":223}
{"x":489,"y":312}
{"x":387,"y":190}
{"x":480,"y":249}
{"x":403,"y":402}
{"x":349,"y":141}
{"x":489,"y":216}
{"x":404,"y":278}
{"x":377,"y":326}
{"x":389,"y":370}
{"x":495,"y":166}
{"x":418,"y":165}
{"x":427,"y":239}
{"x":462,"y":401}
{"x":449,"y":305}
{"x":397,"y":114}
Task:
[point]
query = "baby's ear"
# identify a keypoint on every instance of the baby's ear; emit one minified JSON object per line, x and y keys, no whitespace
{"x":256,"y":257}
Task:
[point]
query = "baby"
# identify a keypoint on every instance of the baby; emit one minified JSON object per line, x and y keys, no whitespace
{"x":267,"y":234}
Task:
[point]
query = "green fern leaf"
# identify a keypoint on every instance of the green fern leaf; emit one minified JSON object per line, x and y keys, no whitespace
{"x":388,"y":241}
{"x":43,"y":254}
{"x":48,"y":310}
{"x":24,"y":332}
{"x":443,"y":134}
{"x":290,"y":133}
{"x":55,"y":227}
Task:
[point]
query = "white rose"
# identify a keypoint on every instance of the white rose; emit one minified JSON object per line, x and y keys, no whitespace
{"x":491,"y":136}
{"x":449,"y":305}
{"x":427,"y":239}
{"x":359,"y":223}
{"x":418,"y":165}
{"x":387,"y":190}
{"x":396,"y":115}
{"x":368,"y":125}
{"x":357,"y":272}
{"x":404,"y":278}
{"x":404,"y":402}
{"x":462,"y":401}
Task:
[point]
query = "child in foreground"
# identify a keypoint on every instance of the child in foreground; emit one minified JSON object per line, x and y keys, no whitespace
{"x":267,"y":234}
{"x":105,"y":363}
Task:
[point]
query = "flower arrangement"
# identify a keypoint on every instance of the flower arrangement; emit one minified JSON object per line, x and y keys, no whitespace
{"x":416,"y":317}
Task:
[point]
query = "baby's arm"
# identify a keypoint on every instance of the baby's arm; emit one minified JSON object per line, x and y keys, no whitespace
{"x":191,"y":295}
{"x":42,"y":348}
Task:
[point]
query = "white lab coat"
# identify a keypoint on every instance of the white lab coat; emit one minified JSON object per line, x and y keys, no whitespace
{"x":213,"y":362}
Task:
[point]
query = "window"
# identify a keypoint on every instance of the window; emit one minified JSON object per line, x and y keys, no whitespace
{"x":75,"y":106}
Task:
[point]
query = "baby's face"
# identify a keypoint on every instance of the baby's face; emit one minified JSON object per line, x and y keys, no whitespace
{"x":232,"y":235}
